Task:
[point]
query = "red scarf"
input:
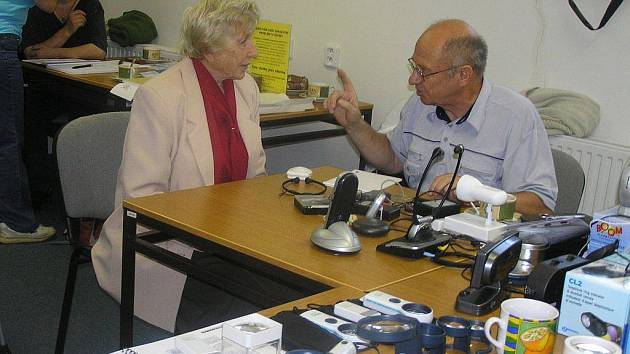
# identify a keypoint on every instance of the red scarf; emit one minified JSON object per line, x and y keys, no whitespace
{"x":228,"y":148}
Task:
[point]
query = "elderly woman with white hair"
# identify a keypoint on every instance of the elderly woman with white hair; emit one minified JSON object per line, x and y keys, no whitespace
{"x":196,"y":124}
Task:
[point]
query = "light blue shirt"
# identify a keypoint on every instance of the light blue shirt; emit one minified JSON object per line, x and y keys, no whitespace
{"x":13,"y":15}
{"x":505,"y":143}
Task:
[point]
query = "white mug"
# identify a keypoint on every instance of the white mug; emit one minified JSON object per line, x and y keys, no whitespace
{"x":525,"y":325}
{"x":584,"y":344}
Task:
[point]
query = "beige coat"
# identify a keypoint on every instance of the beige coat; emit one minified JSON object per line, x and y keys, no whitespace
{"x":168,"y":148}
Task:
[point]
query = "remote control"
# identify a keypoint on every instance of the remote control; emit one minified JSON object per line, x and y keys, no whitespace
{"x":392,"y":305}
{"x":353,"y":312}
{"x":343,"y":347}
{"x":340,"y":328}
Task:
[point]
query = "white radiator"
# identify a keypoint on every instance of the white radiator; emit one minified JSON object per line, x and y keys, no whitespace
{"x":602,"y":164}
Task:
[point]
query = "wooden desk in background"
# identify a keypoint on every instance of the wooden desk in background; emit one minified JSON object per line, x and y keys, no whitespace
{"x":89,"y":94}
{"x":251,"y":218}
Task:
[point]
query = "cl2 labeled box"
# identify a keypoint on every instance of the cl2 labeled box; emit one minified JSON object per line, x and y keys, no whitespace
{"x":596,"y":300}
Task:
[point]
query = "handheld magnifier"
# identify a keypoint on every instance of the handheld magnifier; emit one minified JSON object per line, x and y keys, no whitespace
{"x":405,"y":333}
{"x":458,"y":330}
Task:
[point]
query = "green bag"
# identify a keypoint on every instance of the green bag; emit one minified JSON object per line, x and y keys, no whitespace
{"x":131,"y":28}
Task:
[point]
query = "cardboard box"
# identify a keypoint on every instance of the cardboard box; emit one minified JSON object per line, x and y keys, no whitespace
{"x":606,"y":227}
{"x":596,"y":301}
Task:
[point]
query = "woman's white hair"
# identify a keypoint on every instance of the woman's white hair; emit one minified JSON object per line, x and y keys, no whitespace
{"x":207,"y":25}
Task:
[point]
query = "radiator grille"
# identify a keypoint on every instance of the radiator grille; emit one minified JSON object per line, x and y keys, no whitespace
{"x":602,"y":164}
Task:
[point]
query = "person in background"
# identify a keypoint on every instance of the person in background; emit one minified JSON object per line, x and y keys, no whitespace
{"x":76,"y":29}
{"x":196,"y":124}
{"x":504,"y":137}
{"x":17,"y":220}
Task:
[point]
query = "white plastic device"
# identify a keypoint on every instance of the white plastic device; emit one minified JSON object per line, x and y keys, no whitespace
{"x":470,"y":189}
{"x":299,"y":172}
{"x":471,"y":225}
{"x":353,"y":312}
{"x":392,"y":305}
{"x":343,"y":347}
{"x":334,"y":325}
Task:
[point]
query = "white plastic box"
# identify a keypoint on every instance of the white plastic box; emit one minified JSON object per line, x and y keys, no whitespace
{"x":252,"y":334}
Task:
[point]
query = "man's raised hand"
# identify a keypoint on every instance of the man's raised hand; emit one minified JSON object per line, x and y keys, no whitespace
{"x":344,"y":105}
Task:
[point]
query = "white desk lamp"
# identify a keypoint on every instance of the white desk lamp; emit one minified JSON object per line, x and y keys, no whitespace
{"x":470,"y":189}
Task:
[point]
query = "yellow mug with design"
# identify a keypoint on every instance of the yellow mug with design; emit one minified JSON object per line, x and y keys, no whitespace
{"x":526,"y":326}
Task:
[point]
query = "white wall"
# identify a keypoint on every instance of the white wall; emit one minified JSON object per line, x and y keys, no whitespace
{"x":377,"y":36}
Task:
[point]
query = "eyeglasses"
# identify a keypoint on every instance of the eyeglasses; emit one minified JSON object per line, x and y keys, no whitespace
{"x":415,"y":68}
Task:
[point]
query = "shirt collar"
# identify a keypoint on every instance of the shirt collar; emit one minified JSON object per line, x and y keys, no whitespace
{"x":475,"y":116}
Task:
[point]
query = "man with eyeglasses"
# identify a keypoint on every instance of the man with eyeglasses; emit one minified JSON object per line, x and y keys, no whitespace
{"x":505,"y":139}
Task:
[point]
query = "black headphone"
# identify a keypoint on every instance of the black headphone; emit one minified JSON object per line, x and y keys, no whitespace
{"x":307,"y":180}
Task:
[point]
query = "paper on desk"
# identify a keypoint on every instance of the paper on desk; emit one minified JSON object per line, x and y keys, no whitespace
{"x":125,"y":89}
{"x":98,"y":67}
{"x":280,"y":103}
{"x":368,"y":181}
{"x":52,"y":61}
{"x":170,"y":345}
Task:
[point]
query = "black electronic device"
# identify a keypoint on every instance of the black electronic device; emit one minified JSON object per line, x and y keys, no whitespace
{"x":318,"y":205}
{"x":493,"y":263}
{"x":370,"y":225}
{"x":421,"y":238}
{"x":342,"y":199}
{"x":336,"y":235}
{"x":603,"y":251}
{"x":565,"y":234}
{"x":312,"y":204}
{"x":430,"y":207}
{"x":545,"y":282}
{"x":435,"y":155}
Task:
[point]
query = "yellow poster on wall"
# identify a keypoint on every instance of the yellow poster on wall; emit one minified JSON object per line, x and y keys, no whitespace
{"x":273,"y":41}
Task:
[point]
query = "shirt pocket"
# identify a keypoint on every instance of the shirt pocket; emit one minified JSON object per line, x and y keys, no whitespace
{"x":485,"y":168}
{"x":418,"y":156}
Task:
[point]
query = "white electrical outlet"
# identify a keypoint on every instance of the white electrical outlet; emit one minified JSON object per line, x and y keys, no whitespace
{"x":332,"y":56}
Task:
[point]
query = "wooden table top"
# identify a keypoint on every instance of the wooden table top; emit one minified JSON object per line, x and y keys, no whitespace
{"x":251,"y":217}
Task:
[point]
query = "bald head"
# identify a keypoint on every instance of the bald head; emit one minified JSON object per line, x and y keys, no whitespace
{"x":456,"y":42}
{"x":450,"y":28}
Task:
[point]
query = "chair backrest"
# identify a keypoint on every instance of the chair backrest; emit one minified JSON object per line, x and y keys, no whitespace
{"x":571,"y":180}
{"x":89,"y":151}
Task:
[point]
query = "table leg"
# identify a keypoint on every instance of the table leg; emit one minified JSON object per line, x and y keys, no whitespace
{"x":128,"y":279}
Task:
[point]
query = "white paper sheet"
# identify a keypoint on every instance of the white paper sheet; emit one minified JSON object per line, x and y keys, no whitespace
{"x":125,"y":89}
{"x":99,"y":67}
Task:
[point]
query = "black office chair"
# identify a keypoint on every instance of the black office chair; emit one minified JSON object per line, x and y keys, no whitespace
{"x":88,"y":153}
{"x":571,"y":181}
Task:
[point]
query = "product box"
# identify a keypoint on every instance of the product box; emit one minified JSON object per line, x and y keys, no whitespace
{"x":606,"y":227}
{"x":596,"y":300}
